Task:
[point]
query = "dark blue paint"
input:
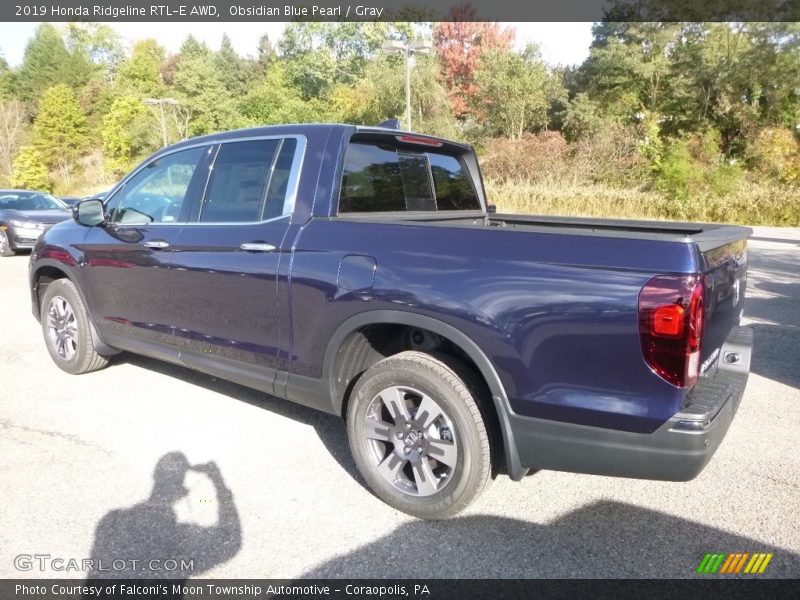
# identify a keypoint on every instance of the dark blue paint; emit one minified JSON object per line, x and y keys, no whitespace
{"x":554,"y":311}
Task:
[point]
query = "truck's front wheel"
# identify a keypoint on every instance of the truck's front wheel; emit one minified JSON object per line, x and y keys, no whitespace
{"x":418,"y":436}
{"x":65,"y":324}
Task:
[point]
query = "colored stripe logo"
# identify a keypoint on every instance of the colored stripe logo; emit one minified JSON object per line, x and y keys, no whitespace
{"x":743,"y":563}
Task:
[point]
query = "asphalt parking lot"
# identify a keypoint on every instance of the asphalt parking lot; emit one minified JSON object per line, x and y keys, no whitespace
{"x":77,"y":459}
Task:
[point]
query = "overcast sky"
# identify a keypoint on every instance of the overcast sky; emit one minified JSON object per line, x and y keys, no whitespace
{"x":561,"y":43}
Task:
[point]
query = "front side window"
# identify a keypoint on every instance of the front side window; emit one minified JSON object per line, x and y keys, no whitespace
{"x":382,"y":177}
{"x":249,"y":181}
{"x":157,"y":193}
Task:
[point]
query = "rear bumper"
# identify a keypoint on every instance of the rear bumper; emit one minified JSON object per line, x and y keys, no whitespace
{"x":676,"y":451}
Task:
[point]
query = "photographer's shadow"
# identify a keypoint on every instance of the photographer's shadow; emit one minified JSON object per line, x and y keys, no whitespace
{"x":148,"y":540}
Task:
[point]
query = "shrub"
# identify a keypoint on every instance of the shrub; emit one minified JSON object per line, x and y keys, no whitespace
{"x":776,"y":154}
{"x":612,"y":155}
{"x":693,"y":171}
{"x":534,"y":157}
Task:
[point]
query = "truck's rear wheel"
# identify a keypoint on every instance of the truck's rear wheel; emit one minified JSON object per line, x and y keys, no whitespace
{"x":65,"y":324}
{"x":418,"y":436}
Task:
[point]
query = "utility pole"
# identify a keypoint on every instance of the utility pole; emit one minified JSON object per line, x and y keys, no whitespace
{"x":407,"y":50}
{"x":160,"y":102}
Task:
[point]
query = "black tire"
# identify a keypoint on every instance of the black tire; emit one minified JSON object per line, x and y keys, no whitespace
{"x":5,"y":244}
{"x":77,"y":355}
{"x":416,"y":379}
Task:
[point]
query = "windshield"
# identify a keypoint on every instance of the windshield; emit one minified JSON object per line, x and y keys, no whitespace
{"x":29,"y":201}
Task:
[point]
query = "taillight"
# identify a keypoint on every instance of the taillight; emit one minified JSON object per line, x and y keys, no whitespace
{"x":671,"y":326}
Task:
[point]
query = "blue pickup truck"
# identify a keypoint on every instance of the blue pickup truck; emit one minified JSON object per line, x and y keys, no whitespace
{"x":360,"y":271}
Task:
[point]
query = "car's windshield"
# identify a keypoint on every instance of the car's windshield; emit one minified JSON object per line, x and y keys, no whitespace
{"x":29,"y":201}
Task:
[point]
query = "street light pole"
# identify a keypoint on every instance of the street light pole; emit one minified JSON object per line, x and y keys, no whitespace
{"x":408,"y":88}
{"x":407,"y":50}
{"x":160,"y":102}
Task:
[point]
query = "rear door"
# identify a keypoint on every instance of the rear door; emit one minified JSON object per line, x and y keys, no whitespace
{"x":228,"y":257}
{"x":127,"y":262}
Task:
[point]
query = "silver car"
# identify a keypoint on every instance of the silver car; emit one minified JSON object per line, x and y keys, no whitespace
{"x":25,"y":215}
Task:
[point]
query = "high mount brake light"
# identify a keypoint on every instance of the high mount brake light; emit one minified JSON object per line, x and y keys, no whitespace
{"x":671,"y":326}
{"x":422,"y":141}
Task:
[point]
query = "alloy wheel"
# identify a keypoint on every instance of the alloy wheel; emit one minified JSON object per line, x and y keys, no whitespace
{"x":411,"y":440}
{"x":62,"y":328}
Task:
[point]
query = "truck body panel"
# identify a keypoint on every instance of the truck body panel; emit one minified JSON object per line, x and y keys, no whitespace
{"x":547,"y":309}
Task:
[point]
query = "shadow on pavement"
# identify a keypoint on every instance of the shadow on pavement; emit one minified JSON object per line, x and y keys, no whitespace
{"x":604,"y":539}
{"x":329,"y":428}
{"x":127,"y":540}
{"x":774,"y":300}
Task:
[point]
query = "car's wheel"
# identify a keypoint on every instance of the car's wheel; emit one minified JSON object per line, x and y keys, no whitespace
{"x":65,"y":324}
{"x":418,"y":435}
{"x":5,"y":244}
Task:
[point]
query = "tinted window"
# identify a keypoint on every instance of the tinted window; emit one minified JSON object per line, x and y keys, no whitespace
{"x":29,"y":201}
{"x":157,"y":193}
{"x":249,"y":181}
{"x":380,"y":178}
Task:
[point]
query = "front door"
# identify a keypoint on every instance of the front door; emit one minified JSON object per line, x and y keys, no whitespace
{"x":128,"y":261}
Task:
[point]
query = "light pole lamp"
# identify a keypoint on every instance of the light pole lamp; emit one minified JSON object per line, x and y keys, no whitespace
{"x":160,"y":102}
{"x":407,"y":49}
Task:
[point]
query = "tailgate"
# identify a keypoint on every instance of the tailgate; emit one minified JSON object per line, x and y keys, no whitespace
{"x":724,"y":263}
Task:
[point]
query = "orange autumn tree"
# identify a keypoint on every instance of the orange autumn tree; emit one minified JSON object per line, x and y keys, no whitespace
{"x":460,"y":43}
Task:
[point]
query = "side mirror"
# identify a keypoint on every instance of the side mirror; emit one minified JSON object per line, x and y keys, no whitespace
{"x":90,"y":213}
{"x":491,"y":208}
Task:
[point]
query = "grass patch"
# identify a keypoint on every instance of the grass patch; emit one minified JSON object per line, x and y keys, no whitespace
{"x":749,"y":203}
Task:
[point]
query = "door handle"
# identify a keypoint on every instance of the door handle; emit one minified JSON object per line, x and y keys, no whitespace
{"x":156,"y":244}
{"x":257,"y":247}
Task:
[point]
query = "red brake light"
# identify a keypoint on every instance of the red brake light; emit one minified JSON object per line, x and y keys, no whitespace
{"x":415,"y":139}
{"x":671,"y":326}
{"x":667,"y":320}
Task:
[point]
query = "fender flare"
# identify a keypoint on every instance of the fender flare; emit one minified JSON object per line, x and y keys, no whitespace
{"x":382,"y":317}
{"x":100,"y":346}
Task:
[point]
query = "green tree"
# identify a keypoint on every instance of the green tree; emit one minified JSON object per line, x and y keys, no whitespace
{"x":97,"y":44}
{"x":276,"y":100}
{"x":193,"y":48}
{"x":380,"y":95}
{"x":319,"y":55}
{"x":201,"y":91}
{"x":581,"y":117}
{"x":30,"y":171}
{"x":46,"y":63}
{"x":128,"y":133}
{"x":515,"y":92}
{"x":7,"y":81}
{"x":60,"y":132}
{"x":141,"y":72}
{"x":630,"y":64}
{"x":234,"y":72}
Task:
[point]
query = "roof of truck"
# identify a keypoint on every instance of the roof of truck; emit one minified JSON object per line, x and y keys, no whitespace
{"x":300,"y":129}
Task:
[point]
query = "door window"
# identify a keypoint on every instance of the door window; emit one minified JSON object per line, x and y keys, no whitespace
{"x":158,"y":193}
{"x":249,"y":181}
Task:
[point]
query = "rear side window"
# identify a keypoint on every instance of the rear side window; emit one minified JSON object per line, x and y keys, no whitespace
{"x":249,"y":181}
{"x":381,"y":177}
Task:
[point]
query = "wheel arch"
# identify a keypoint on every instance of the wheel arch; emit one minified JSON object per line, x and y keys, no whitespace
{"x":48,"y":271}
{"x":338,"y":388}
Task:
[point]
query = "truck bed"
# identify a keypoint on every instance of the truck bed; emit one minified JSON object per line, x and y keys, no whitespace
{"x":707,"y":236}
